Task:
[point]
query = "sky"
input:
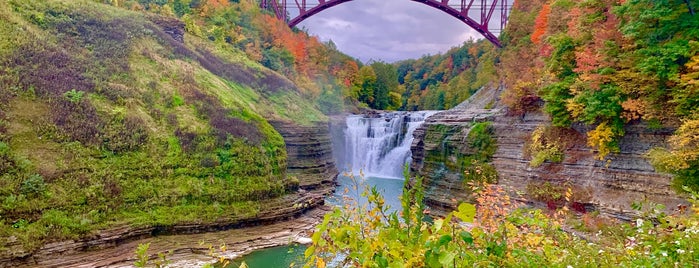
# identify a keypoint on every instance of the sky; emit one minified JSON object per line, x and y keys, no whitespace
{"x":388,"y":30}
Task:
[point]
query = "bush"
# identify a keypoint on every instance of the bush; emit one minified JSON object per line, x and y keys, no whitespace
{"x":33,"y":186}
{"x":544,"y":145}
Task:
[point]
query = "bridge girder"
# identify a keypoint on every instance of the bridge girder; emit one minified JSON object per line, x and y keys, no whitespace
{"x":463,"y":11}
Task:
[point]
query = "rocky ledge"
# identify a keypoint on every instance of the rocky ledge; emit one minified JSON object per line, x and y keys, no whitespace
{"x":282,"y":221}
{"x":309,"y":154}
{"x":437,"y":149}
{"x":608,"y":186}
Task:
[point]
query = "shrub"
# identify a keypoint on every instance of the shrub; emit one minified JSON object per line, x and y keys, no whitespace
{"x":73,"y":95}
{"x":544,"y":145}
{"x":33,"y":186}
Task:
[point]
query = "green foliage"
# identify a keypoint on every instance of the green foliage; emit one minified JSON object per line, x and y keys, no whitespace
{"x":481,"y":140}
{"x":502,"y":235}
{"x":556,"y":96}
{"x":386,"y":83}
{"x":330,"y":101}
{"x":74,"y":96}
{"x":442,"y":81}
{"x":33,"y":186}
{"x":562,"y":60}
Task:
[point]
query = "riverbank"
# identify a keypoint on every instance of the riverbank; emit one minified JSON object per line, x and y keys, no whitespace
{"x":116,"y":247}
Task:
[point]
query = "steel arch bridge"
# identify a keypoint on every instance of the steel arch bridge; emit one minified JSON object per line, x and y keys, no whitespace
{"x":488,"y":17}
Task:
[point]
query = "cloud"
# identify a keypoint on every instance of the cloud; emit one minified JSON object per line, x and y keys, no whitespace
{"x":388,"y":30}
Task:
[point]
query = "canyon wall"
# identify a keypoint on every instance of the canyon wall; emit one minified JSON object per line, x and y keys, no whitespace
{"x":607,"y":186}
{"x":309,"y":154}
{"x":439,"y":149}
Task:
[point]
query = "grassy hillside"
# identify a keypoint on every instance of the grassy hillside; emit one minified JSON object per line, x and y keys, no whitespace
{"x":111,"y":117}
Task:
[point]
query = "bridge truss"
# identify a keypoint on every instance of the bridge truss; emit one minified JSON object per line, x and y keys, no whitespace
{"x":488,"y":17}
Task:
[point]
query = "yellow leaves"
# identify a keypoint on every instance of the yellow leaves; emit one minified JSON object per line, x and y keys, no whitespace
{"x":687,"y":135}
{"x":544,"y":146}
{"x":691,"y":78}
{"x":574,"y":108}
{"x":320,"y":263}
{"x":533,"y":240}
{"x":684,"y":148}
{"x":601,"y":138}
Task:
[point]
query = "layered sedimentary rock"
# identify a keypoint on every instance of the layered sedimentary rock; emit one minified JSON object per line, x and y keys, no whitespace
{"x":309,"y":154}
{"x":608,"y":186}
{"x":439,"y":147}
{"x":278,"y":221}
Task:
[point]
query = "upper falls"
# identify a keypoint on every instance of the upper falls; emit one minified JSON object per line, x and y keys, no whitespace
{"x":379,"y":145}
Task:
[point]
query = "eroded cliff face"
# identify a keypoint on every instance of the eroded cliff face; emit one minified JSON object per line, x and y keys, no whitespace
{"x":440,"y":147}
{"x":309,"y":154}
{"x":608,"y":186}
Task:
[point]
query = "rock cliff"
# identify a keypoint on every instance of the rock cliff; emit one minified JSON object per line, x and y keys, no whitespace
{"x":608,"y":186}
{"x":310,"y":154}
{"x":440,"y":146}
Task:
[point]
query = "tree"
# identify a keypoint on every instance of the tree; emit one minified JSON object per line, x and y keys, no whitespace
{"x":386,"y":82}
{"x":540,"y":24}
{"x":366,"y":83}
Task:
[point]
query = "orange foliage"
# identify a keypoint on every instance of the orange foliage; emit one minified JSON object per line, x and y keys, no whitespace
{"x":587,"y":60}
{"x":211,"y":6}
{"x":633,"y":109}
{"x":540,"y":24}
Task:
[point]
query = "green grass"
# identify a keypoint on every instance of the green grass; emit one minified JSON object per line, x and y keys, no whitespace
{"x":162,"y":147}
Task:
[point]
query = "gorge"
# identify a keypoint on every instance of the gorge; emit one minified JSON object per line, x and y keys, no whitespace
{"x":172,"y":122}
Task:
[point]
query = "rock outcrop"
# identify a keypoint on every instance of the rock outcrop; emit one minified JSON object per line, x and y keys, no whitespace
{"x":278,"y":222}
{"x":309,"y":154}
{"x":439,"y":147}
{"x":608,"y":186}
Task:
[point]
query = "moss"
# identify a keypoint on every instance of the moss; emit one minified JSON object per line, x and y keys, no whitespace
{"x":467,"y":157}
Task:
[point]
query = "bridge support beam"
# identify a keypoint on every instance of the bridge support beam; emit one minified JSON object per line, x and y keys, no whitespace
{"x":485,"y":23}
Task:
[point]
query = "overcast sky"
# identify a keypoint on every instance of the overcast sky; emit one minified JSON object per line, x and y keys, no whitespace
{"x":388,"y":30}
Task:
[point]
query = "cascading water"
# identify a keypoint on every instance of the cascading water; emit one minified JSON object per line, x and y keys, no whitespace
{"x":380,"y":145}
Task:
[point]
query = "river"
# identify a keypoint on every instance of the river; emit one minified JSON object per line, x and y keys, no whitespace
{"x":377,"y":146}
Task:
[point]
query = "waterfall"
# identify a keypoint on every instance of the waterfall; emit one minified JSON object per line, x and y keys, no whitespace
{"x":379,"y":145}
